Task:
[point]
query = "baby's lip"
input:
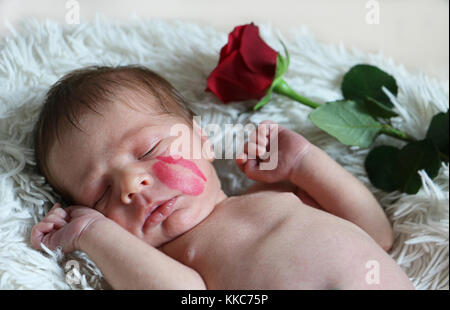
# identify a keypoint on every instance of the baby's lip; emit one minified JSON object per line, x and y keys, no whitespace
{"x":165,"y":208}
{"x":149,"y":210}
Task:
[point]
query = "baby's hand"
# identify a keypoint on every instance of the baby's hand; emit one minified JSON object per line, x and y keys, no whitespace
{"x":290,"y":148}
{"x":63,"y":227}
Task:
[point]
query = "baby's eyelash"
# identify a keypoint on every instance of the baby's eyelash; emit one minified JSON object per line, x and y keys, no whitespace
{"x":146,"y":154}
{"x":150,"y":151}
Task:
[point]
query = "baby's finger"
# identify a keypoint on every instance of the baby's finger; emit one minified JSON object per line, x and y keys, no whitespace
{"x":263,"y":142}
{"x":246,"y":147}
{"x":263,"y":133}
{"x":266,"y":127}
{"x":58,"y":211}
{"x":56,"y":206}
{"x":55,"y":219}
{"x":256,"y":151}
{"x":38,"y":232}
{"x":271,"y":128}
{"x":250,"y":150}
{"x":256,"y":136}
{"x":250,"y":167}
{"x":253,"y":171}
{"x":76,"y":211}
{"x":241,"y":159}
{"x":263,"y":137}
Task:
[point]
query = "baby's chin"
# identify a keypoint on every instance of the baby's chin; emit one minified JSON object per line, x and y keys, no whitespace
{"x":179,"y":222}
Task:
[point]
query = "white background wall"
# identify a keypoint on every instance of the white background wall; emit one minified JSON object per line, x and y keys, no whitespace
{"x":413,"y":32}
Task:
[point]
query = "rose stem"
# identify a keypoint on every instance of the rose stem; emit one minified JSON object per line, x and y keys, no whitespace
{"x":283,"y":88}
{"x":390,"y":131}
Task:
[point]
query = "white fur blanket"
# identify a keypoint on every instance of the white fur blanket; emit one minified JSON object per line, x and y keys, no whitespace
{"x":36,"y":54}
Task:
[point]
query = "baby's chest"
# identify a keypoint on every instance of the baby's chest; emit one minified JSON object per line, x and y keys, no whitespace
{"x":265,"y":241}
{"x":229,"y":248}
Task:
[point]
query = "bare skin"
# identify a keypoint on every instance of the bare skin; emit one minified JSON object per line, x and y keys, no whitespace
{"x":296,"y":247}
{"x":308,"y":224}
{"x":276,"y":236}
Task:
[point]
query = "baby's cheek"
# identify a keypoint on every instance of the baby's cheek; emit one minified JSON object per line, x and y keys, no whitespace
{"x":119,"y":218}
{"x":188,"y":184}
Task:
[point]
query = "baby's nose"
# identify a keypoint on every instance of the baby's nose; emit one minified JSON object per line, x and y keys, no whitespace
{"x":135,"y":186}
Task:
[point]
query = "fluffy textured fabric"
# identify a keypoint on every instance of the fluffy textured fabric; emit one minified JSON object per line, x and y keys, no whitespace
{"x":34,"y":56}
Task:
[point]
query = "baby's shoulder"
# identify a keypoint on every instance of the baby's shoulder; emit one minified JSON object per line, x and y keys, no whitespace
{"x":279,"y":187}
{"x":262,"y":200}
{"x":268,"y":195}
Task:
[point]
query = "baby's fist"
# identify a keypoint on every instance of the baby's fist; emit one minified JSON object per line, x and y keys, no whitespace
{"x":63,"y":227}
{"x":271,"y":153}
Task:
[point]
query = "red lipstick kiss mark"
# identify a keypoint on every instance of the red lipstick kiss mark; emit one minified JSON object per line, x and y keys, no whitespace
{"x":184,"y":163}
{"x":174,"y":179}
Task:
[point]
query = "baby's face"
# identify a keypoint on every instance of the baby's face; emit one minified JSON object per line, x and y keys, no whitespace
{"x":109,"y":168}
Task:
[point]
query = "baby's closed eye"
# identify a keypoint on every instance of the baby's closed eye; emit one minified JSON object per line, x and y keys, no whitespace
{"x":151,"y":150}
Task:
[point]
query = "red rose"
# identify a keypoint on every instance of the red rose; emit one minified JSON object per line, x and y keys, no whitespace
{"x":246,"y":66}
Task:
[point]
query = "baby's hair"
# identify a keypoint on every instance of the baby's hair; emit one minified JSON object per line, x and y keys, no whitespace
{"x":94,"y":86}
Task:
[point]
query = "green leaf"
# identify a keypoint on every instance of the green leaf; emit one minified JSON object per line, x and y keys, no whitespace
{"x":281,"y":68}
{"x":415,"y":156}
{"x":377,"y":109}
{"x":347,"y":121}
{"x":286,"y":52}
{"x":389,"y":168}
{"x":382,"y":168}
{"x":264,"y":100}
{"x":438,"y":132}
{"x":282,"y":63}
{"x":364,"y":83}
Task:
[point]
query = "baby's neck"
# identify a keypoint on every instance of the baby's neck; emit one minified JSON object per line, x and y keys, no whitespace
{"x":218,"y":199}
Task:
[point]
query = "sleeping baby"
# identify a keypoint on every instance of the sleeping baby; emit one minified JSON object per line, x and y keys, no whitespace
{"x":154,"y":219}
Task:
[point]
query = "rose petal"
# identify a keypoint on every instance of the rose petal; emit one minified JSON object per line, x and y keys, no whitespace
{"x":258,"y":56}
{"x":232,"y":81}
{"x":234,"y":42}
{"x":246,"y":68}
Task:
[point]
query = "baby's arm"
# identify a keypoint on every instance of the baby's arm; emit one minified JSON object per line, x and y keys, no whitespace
{"x":340,"y":193}
{"x":129,"y":263}
{"x":314,"y":172}
{"x":126,"y":261}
